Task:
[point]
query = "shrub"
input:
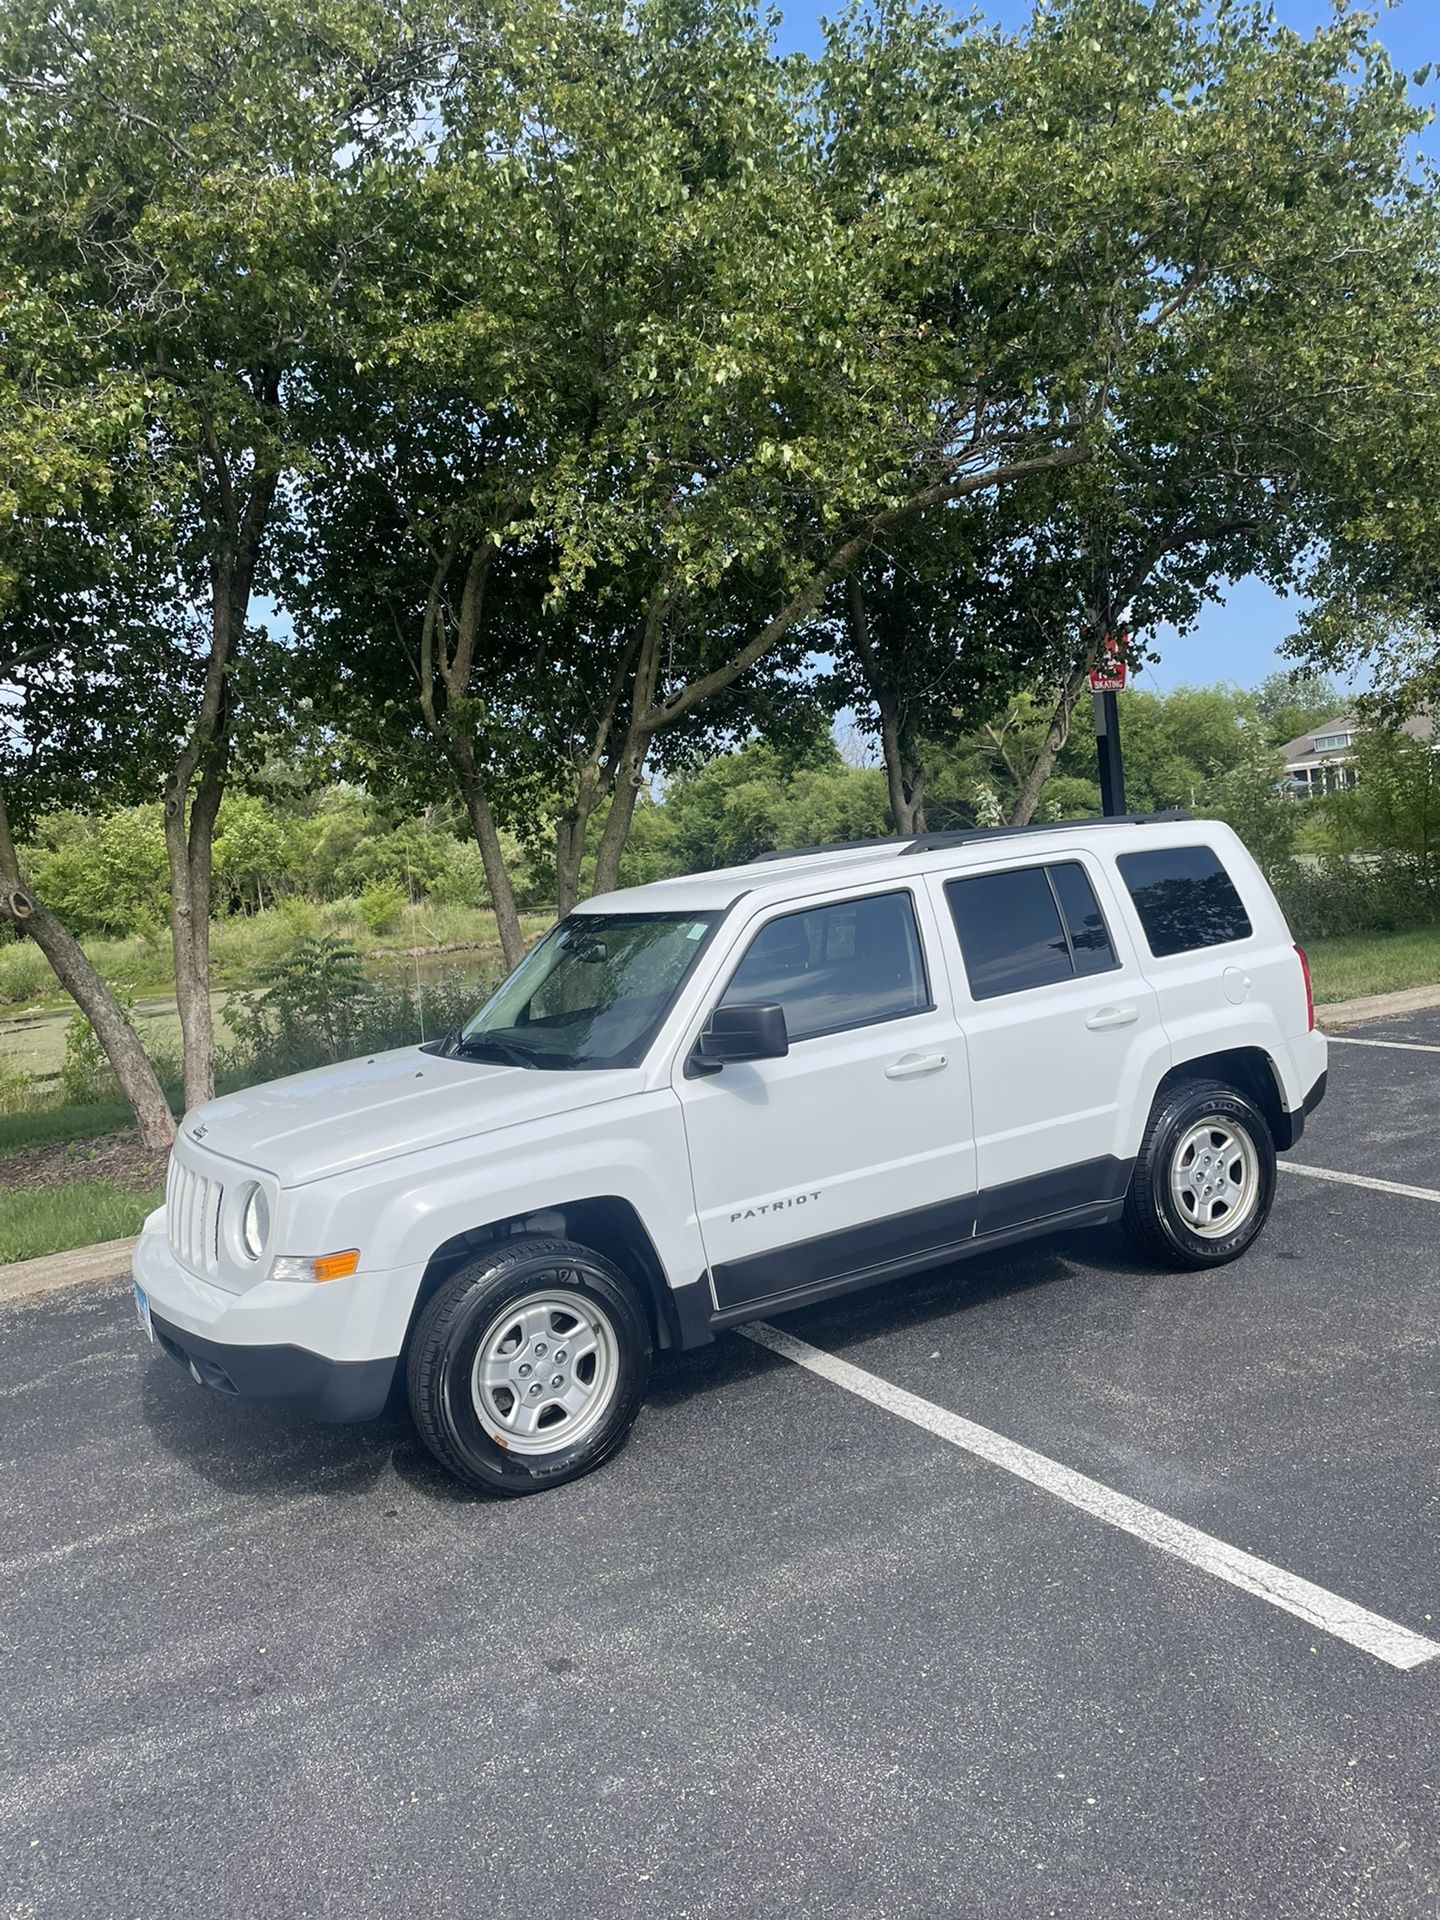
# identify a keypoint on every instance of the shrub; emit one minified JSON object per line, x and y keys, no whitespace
{"x":16,"y":1090}
{"x":317,"y":1006}
{"x":25,"y":974}
{"x":1337,"y":896}
{"x":381,"y":905}
{"x":85,"y":1077}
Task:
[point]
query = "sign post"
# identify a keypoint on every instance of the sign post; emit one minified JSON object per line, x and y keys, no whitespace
{"x":1107,"y":678}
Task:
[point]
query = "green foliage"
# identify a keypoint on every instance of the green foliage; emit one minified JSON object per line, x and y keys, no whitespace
{"x":317,"y":1006}
{"x":1246,"y":796}
{"x":381,"y":905}
{"x":25,"y":975}
{"x":1293,"y":702}
{"x":85,"y":1077}
{"x":1336,"y":897}
{"x":1393,"y":808}
{"x":16,"y":1091}
{"x":102,"y":872}
{"x":744,"y":803}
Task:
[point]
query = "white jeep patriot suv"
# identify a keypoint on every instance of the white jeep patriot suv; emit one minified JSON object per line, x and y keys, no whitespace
{"x":725,"y":1095}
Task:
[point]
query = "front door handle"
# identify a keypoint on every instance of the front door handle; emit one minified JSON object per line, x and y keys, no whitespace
{"x":1112,"y":1017}
{"x":910,"y":1066}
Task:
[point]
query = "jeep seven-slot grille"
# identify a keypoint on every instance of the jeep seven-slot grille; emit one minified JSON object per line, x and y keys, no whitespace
{"x":192,"y":1218}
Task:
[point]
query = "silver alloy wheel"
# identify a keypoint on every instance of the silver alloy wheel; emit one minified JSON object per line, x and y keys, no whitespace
{"x":1215,"y":1177}
{"x":545,"y":1371}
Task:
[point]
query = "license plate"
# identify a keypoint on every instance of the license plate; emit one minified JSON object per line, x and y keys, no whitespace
{"x":142,"y":1312}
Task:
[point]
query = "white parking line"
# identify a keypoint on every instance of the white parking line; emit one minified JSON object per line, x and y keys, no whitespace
{"x":1361,"y":1180}
{"x":1400,"y":1046}
{"x":1397,"y":1646}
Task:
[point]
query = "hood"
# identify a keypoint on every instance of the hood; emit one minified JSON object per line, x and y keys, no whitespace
{"x":339,"y":1118}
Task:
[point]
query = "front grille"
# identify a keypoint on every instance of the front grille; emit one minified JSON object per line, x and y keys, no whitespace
{"x":192,"y":1218}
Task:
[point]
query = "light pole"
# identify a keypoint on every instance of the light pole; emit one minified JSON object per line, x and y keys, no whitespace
{"x":1107,"y":678}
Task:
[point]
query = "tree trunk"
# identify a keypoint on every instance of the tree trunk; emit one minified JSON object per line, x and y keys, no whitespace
{"x":197,"y":785}
{"x":904,"y":776}
{"x":122,"y":1047}
{"x":487,"y":838}
{"x":628,"y":775}
{"x":189,"y":847}
{"x":613,"y":841}
{"x":571,"y":830}
{"x":1056,"y":734}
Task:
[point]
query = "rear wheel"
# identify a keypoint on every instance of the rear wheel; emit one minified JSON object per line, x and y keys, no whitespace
{"x":1204,"y":1180}
{"x":528,"y":1366}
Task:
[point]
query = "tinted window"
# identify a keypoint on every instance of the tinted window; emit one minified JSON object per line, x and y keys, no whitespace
{"x":1084,"y":922}
{"x":1028,"y":928}
{"x":1185,"y":899}
{"x":834,"y":967}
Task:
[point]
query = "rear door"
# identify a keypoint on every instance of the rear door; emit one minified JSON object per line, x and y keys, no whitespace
{"x":1063,"y":1031}
{"x":855,"y":1151}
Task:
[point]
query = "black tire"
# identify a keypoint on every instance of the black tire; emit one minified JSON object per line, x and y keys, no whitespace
{"x":462,"y":1428}
{"x":1155,"y":1221}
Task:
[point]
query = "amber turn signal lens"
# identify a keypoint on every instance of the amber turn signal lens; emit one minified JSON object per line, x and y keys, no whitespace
{"x":336,"y":1266}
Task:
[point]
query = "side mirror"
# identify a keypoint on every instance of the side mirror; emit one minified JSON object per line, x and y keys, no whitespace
{"x":743,"y":1033}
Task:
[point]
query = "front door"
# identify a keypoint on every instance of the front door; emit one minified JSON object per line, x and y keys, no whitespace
{"x":855,"y":1151}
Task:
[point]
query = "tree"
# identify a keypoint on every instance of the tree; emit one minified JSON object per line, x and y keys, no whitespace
{"x":1291,"y":702}
{"x":1281,"y":395}
{"x":682,"y":367}
{"x":182,"y":200}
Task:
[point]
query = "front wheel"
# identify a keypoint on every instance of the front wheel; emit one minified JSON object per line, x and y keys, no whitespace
{"x":528,"y":1366}
{"x":1204,"y":1180}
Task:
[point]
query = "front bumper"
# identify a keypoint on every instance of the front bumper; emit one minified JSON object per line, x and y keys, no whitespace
{"x":336,"y":1390}
{"x":329,"y":1349}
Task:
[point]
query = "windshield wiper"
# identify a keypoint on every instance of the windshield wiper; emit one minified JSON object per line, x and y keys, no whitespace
{"x":477,"y":1045}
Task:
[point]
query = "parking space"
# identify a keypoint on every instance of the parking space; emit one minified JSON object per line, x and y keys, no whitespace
{"x":788,"y":1654}
{"x":1387,"y":1124}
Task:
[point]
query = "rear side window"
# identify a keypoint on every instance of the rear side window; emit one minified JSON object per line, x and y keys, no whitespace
{"x":836,"y":966}
{"x":1028,"y":927}
{"x":1185,"y":899}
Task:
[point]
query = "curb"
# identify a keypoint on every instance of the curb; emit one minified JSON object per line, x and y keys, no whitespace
{"x":1376,"y":1006}
{"x":28,"y":1279}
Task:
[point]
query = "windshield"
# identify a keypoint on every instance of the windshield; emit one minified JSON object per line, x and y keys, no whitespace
{"x":592,"y":994}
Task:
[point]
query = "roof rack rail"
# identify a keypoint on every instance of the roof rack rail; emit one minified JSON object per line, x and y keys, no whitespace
{"x":963,"y":836}
{"x":901,"y":840}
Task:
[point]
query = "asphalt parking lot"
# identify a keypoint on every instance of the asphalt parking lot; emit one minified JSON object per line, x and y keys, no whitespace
{"x":789,"y":1654}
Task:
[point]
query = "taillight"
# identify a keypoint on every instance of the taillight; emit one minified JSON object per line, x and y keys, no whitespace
{"x":1309,"y":990}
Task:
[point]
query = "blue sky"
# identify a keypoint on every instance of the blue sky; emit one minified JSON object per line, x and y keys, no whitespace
{"x":1239,"y":638}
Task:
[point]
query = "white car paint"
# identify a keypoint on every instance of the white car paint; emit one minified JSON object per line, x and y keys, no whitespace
{"x":398,"y":1154}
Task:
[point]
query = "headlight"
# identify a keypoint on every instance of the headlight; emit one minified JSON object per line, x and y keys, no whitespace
{"x":255,"y":1223}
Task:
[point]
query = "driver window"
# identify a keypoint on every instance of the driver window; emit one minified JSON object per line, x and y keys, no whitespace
{"x":839,"y":966}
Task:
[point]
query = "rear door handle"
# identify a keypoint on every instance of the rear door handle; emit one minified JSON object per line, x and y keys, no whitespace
{"x":910,"y":1066}
{"x":1112,"y":1017}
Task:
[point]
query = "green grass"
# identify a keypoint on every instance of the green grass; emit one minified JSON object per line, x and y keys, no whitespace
{"x":43,"y":1124}
{"x":1349,"y":965}
{"x":38,"y":1220}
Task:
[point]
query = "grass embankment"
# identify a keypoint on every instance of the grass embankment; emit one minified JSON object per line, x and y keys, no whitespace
{"x":70,"y":1176}
{"x":37,"y":1220}
{"x":1351,"y":965}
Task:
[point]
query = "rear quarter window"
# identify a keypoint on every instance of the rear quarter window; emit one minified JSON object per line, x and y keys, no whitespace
{"x":1185,"y":899}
